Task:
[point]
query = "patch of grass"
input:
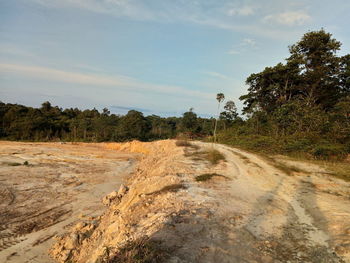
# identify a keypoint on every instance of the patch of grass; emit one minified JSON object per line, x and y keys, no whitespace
{"x":243,"y":157}
{"x":246,"y":159}
{"x":211,"y":155}
{"x":342,"y":173}
{"x":214,"y":156}
{"x":288,"y":169}
{"x":285,"y":168}
{"x":169,"y":188}
{"x":182,"y":143}
{"x":337,"y":169}
{"x":142,"y":250}
{"x":329,"y":152}
{"x":185,"y":143}
{"x":308,"y":145}
{"x":206,"y":177}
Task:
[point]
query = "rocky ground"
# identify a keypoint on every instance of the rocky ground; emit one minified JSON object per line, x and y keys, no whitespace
{"x":180,"y":207}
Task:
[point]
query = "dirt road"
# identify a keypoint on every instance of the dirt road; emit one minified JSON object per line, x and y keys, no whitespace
{"x":251,"y":210}
{"x":271,"y":216}
{"x":47,"y":187}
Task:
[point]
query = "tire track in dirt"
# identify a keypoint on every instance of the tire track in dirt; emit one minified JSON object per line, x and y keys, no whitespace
{"x":15,"y":232}
{"x":302,"y":229}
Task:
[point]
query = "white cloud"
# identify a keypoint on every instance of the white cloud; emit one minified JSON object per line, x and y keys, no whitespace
{"x":14,"y":50}
{"x":242,"y":11}
{"x":120,"y":82}
{"x":192,"y":11}
{"x":289,"y":18}
{"x":248,"y":42}
{"x":217,"y":75}
{"x":233,"y":52}
{"x":127,"y":8}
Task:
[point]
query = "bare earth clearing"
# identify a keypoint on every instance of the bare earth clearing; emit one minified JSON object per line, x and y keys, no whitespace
{"x":251,"y":210}
{"x":59,"y":185}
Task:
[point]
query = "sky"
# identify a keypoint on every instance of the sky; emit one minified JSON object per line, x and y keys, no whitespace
{"x":157,"y":56}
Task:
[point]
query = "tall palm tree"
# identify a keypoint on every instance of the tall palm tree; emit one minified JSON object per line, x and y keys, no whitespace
{"x":220,"y":97}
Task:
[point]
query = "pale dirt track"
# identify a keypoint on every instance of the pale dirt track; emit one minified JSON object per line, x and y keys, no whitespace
{"x":62,"y":183}
{"x":256,"y":213}
{"x":303,"y":217}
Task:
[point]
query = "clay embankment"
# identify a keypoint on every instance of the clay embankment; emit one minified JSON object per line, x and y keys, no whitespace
{"x":250,"y":211}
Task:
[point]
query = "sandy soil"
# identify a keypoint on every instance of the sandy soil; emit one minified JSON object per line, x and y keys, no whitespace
{"x":254,"y":212}
{"x":300,"y":217}
{"x":60,"y":184}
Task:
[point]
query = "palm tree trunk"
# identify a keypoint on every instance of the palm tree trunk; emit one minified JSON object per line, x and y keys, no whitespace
{"x":216,"y":122}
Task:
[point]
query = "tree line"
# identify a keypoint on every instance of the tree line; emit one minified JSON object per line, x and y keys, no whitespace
{"x":52,"y":123}
{"x":302,"y":105}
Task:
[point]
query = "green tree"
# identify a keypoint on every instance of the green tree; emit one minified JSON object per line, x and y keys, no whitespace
{"x":230,"y":113}
{"x":344,"y":76}
{"x":189,"y":122}
{"x":312,"y":71}
{"x":272,"y":87}
{"x":133,"y":126}
{"x":315,"y":55}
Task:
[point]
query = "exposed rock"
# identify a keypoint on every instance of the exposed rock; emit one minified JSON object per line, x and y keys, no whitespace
{"x":107,"y":200}
{"x":122,"y":190}
{"x":71,"y":242}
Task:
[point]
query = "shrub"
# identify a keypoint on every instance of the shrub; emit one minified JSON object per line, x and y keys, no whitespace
{"x":347,"y":146}
{"x":297,"y":145}
{"x":329,"y":152}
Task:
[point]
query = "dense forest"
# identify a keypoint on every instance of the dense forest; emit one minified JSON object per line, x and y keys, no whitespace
{"x":299,"y":106}
{"x":302,"y":105}
{"x":51,"y":123}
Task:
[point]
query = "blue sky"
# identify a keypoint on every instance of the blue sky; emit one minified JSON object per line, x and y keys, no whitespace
{"x":157,"y":56}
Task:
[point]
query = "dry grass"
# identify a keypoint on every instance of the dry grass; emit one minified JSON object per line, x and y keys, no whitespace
{"x":283,"y":167}
{"x":185,"y":143}
{"x":288,"y":169}
{"x":213,"y":156}
{"x":208,"y":176}
{"x":246,"y":159}
{"x":142,"y":250}
{"x":337,"y":169}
